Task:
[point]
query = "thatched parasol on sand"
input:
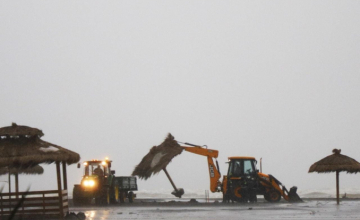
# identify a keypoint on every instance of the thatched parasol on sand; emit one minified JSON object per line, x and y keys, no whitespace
{"x":336,"y":163}
{"x":157,"y":159}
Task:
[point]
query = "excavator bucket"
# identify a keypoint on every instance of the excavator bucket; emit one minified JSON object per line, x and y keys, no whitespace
{"x":293,"y":196}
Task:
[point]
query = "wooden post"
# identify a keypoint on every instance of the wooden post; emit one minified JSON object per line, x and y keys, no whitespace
{"x":9,"y":180}
{"x":17,"y":185}
{"x":168,"y":176}
{"x":337,"y":187}
{"x":64,"y":175}
{"x":59,"y":190}
{"x":9,"y":190}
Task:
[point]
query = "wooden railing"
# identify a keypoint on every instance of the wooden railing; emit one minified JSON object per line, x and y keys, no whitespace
{"x":41,"y":203}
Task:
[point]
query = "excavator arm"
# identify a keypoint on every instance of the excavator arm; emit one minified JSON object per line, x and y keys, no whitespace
{"x":214,"y":172}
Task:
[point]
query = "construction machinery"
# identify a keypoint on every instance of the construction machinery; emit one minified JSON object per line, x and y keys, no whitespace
{"x":100,"y":183}
{"x":243,"y":181}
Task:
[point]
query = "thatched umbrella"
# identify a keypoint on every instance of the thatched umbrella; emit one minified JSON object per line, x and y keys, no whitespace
{"x":336,"y":163}
{"x":157,"y":159}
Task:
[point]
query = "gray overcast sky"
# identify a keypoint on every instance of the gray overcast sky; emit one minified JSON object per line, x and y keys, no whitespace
{"x":273,"y":79}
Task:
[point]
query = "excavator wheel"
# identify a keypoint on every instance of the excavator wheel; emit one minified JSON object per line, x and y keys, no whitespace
{"x":237,"y":195}
{"x":272,"y":196}
{"x":226,"y":198}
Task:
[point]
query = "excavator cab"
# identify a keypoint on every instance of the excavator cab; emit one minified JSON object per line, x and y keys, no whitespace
{"x":242,"y":167}
{"x":242,"y":180}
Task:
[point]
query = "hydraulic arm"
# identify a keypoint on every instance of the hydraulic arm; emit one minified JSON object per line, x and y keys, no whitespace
{"x":214,"y":171}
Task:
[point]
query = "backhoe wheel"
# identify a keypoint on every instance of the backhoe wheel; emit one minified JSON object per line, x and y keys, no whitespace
{"x":237,"y":196}
{"x":272,"y":196}
{"x":226,"y":198}
{"x":131,"y":197}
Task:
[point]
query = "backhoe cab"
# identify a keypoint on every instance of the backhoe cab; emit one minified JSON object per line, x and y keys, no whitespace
{"x":243,"y":181}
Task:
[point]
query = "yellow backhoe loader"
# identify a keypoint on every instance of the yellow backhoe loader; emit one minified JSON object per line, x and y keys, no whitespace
{"x":243,"y":181}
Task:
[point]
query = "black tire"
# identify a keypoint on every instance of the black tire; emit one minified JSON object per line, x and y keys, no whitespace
{"x":104,"y":198}
{"x":238,"y":196}
{"x":116,"y":194}
{"x":253,"y":198}
{"x":77,"y":199}
{"x":113,"y":195}
{"x":272,"y":196}
{"x":225,"y":198}
{"x":122,"y":197}
{"x":80,"y":201}
{"x":131,"y":197}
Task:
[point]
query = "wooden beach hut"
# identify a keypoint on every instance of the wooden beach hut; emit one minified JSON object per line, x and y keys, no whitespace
{"x":336,"y":163}
{"x":21,"y":147}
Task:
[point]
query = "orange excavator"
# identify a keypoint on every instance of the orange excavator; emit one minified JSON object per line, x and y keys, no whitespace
{"x":243,"y":181}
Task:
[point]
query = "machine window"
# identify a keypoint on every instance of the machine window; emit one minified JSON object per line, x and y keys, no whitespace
{"x":248,"y":167}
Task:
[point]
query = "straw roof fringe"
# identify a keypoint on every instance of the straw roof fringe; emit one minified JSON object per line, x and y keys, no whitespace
{"x":29,"y":151}
{"x":29,"y":171}
{"x":20,"y":130}
{"x":336,"y":162}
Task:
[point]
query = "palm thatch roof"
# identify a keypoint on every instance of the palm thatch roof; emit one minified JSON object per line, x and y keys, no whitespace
{"x":158,"y":158}
{"x":22,"y":151}
{"x":20,"y":130}
{"x":336,"y":162}
{"x":30,"y":170}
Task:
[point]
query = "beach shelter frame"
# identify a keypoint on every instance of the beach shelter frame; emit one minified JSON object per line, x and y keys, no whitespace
{"x":21,"y":147}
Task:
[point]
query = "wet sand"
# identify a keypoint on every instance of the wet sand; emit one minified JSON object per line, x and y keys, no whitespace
{"x":309,"y":209}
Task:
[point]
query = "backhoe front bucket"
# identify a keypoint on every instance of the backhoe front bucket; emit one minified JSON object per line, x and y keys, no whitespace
{"x":293,"y":196}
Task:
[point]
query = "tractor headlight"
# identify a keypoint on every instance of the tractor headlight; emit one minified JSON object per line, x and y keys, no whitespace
{"x":89,"y":183}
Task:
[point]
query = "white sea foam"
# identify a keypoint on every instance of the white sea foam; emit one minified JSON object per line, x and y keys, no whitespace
{"x":200,"y":193}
